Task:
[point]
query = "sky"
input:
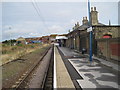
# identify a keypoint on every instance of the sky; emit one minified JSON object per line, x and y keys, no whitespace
{"x":20,"y":19}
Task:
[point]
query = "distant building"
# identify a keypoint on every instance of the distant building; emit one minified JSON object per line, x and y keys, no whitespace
{"x":21,"y":40}
{"x":53,"y":38}
{"x":45,"y":39}
{"x":34,"y":40}
{"x":61,"y":39}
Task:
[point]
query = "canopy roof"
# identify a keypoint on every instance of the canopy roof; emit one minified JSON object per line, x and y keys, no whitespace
{"x":61,"y":37}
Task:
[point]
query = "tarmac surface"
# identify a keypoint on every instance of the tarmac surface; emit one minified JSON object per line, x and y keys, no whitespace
{"x":95,"y":75}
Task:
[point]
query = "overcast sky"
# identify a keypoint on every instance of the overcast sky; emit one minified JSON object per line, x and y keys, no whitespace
{"x":20,"y":19}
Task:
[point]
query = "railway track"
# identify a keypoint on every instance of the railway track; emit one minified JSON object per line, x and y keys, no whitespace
{"x":47,"y":75}
{"x":48,"y":84}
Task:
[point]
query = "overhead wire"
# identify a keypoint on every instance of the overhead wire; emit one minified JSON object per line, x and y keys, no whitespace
{"x":37,"y":9}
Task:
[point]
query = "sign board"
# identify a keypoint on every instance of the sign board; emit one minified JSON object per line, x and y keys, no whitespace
{"x":89,"y":29}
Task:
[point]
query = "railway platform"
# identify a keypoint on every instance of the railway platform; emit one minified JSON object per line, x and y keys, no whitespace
{"x":91,"y":77}
{"x":62,"y":78}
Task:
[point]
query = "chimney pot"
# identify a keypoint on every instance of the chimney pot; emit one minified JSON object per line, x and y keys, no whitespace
{"x":91,"y":8}
{"x":83,"y":18}
{"x":94,"y":8}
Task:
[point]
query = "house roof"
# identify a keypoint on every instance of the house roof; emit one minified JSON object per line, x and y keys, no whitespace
{"x":20,"y":39}
{"x":85,"y":26}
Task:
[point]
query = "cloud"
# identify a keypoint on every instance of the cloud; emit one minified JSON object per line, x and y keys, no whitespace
{"x":31,"y":29}
{"x":64,"y":13}
{"x":55,"y":18}
{"x":56,"y":29}
{"x":61,"y":0}
{"x":24,"y":29}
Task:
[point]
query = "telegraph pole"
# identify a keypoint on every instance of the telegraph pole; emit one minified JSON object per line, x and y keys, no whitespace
{"x":10,"y":37}
{"x":91,"y":33}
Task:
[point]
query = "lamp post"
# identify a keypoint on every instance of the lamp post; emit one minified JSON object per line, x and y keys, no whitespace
{"x":91,"y":33}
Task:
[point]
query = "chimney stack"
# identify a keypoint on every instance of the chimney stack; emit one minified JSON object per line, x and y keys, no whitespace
{"x":91,"y":8}
{"x":109,"y":22}
{"x":94,"y":16}
{"x":85,"y":21}
{"x":78,"y":24}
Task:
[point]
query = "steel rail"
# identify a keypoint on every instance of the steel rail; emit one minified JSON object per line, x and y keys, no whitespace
{"x":47,"y":70}
{"x":31,"y":70}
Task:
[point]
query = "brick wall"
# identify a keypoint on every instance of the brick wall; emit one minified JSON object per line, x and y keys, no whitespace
{"x":109,"y":48}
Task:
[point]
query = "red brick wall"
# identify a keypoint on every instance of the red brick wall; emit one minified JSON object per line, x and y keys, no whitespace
{"x":109,"y":48}
{"x":115,"y":49}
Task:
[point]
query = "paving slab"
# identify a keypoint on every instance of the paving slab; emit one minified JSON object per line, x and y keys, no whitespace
{"x":94,"y":75}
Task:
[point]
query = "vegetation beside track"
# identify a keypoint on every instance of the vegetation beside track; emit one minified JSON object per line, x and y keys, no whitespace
{"x":13,"y":52}
{"x":12,"y":71}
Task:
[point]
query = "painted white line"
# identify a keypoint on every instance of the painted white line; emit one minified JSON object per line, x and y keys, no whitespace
{"x":55,"y":79}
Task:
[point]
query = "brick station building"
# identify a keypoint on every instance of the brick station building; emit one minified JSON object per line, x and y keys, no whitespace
{"x":106,"y":38}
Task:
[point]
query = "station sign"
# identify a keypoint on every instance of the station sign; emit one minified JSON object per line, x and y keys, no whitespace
{"x":89,"y":29}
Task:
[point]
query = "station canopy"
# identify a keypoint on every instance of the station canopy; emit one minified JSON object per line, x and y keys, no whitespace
{"x":61,"y":37}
